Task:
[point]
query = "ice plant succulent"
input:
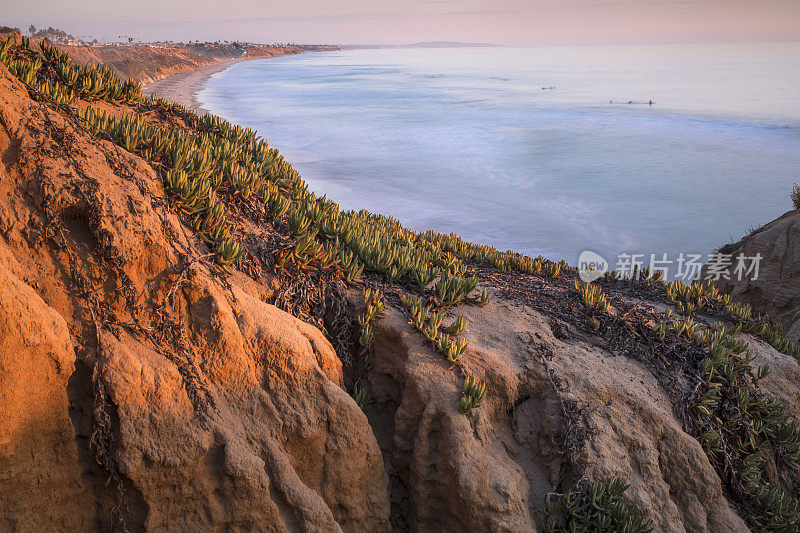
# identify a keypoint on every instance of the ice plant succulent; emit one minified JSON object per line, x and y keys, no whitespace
{"x":592,"y":296}
{"x":458,"y":326}
{"x":472,"y":395}
{"x":596,"y":507}
{"x":373,"y":307}
{"x":362,"y":397}
{"x":747,"y":429}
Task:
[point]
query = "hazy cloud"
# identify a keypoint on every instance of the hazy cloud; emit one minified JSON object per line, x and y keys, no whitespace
{"x":381,"y":21}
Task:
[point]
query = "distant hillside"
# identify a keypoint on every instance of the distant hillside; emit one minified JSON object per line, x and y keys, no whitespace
{"x":140,"y":63}
{"x":146,"y":63}
{"x":150,"y":62}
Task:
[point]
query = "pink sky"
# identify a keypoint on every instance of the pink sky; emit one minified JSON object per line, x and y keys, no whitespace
{"x":516,"y":22}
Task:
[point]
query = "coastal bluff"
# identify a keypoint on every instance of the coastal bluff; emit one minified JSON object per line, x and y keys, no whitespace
{"x":147,"y":63}
{"x":777,"y":289}
{"x":153,"y":380}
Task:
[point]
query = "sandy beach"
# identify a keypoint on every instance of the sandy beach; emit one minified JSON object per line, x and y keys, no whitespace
{"x":182,"y":87}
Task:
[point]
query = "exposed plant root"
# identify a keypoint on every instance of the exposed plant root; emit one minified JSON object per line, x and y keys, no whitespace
{"x":103,"y":442}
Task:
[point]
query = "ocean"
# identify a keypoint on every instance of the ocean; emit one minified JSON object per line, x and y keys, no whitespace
{"x":549,"y":150}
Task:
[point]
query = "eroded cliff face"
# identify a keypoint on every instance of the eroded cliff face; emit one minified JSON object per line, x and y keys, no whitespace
{"x":142,"y":386}
{"x":41,"y":474}
{"x":147,"y":64}
{"x":140,"y":63}
{"x":777,"y":289}
{"x":561,"y":406}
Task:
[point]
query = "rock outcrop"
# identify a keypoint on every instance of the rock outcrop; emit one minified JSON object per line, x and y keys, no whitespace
{"x":550,"y":397}
{"x":41,"y":475}
{"x":141,"y":387}
{"x":776,"y":291}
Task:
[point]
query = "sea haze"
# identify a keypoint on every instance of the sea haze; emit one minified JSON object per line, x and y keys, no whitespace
{"x":467,"y":140}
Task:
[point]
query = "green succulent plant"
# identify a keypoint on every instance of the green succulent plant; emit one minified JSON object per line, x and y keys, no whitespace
{"x":481,"y":300}
{"x":278,"y":206}
{"x":192,"y":195}
{"x":412,"y":303}
{"x":351,"y":266}
{"x":688,"y":299}
{"x":451,"y":347}
{"x":743,"y":430}
{"x":229,"y":252}
{"x":755,"y":324}
{"x":5,"y":44}
{"x":458,"y":326}
{"x":25,"y":70}
{"x":306,"y":254}
{"x":472,"y":395}
{"x":687,"y":327}
{"x":213,"y":226}
{"x":373,"y":307}
{"x":297,"y":224}
{"x":450,"y":291}
{"x":551,"y":269}
{"x":57,"y":92}
{"x":592,"y":296}
{"x":362,"y":398}
{"x":660,"y":329}
{"x":373,"y":302}
{"x":596,"y":507}
{"x":652,"y":276}
{"x":423,"y":276}
{"x":365,"y":338}
{"x":420,"y":318}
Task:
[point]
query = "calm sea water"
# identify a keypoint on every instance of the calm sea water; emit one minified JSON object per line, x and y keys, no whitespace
{"x":468,"y":141}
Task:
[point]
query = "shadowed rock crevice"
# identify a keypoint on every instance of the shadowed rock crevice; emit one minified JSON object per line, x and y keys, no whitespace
{"x":9,"y":147}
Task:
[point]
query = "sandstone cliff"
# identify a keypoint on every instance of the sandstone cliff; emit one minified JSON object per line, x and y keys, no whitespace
{"x":149,"y":385}
{"x":141,"y":386}
{"x":777,"y":289}
{"x":140,"y":63}
{"x":148,"y":63}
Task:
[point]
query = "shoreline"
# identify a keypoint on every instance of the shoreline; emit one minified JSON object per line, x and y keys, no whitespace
{"x":182,"y":87}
